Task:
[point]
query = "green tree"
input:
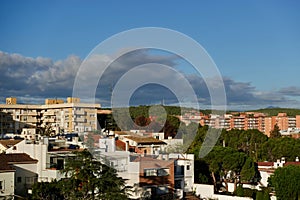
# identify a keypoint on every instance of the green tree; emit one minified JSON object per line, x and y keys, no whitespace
{"x":87,"y":178}
{"x":276,"y":148}
{"x":275,"y":133}
{"x":46,"y":191}
{"x":263,"y":194}
{"x":227,"y":165}
{"x":142,"y":121}
{"x":249,"y":171}
{"x":47,"y":130}
{"x":285,"y":181}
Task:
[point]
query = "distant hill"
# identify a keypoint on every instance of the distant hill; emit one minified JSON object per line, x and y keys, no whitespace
{"x":143,"y":110}
{"x":272,"y":111}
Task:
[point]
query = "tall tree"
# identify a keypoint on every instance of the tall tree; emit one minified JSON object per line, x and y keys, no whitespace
{"x":87,"y":178}
{"x":285,"y":181}
{"x":275,"y":133}
{"x":47,"y":191}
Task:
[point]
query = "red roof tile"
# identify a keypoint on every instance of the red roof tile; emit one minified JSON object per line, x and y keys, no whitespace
{"x":14,"y":158}
{"x":145,"y":140}
{"x":291,"y":163}
{"x":266,"y":164}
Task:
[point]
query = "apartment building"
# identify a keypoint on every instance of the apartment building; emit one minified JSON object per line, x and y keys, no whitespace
{"x":70,"y":116}
{"x":159,"y":176}
{"x":250,"y":120}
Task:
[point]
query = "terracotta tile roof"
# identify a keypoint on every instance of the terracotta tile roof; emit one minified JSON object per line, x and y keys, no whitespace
{"x":14,"y":158}
{"x":291,"y":163}
{"x":122,"y":145}
{"x":9,"y":143}
{"x":123,"y":133}
{"x":265,"y":164}
{"x":145,"y":140}
{"x":4,"y":167}
{"x":151,"y":163}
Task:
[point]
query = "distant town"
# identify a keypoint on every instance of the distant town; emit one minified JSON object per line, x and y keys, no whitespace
{"x":38,"y":143}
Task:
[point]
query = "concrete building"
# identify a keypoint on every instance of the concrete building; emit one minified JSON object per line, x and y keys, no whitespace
{"x":18,"y":173}
{"x":250,"y":120}
{"x":7,"y":181}
{"x":150,"y":175}
{"x":266,"y":169}
{"x":51,"y":155}
{"x":71,"y":116}
{"x":6,"y":144}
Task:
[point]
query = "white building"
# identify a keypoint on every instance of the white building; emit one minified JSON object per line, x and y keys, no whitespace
{"x":18,"y":173}
{"x":50,"y":162}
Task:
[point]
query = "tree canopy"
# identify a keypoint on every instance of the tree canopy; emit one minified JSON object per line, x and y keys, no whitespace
{"x":285,"y":181}
{"x":85,"y":178}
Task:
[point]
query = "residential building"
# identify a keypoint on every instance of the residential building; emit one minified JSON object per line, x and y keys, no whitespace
{"x":297,"y":121}
{"x":150,"y":175}
{"x":6,"y":144}
{"x":140,"y":144}
{"x":250,"y":120}
{"x":266,"y":169}
{"x":50,"y":153}
{"x":18,"y":173}
{"x":60,"y":116}
{"x":7,"y":181}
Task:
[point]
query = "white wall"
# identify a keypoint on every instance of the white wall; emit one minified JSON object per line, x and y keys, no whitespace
{"x":227,"y":197}
{"x":36,"y":151}
{"x":264,"y":177}
{"x":8,"y":179}
{"x":207,"y":191}
{"x":203,"y":190}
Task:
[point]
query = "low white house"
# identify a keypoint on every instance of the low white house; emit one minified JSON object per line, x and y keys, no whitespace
{"x":7,"y":181}
{"x":18,"y":173}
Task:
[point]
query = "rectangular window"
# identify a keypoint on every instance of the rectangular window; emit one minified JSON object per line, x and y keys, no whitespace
{"x":19,"y":179}
{"x":163,"y":172}
{"x":150,"y":172}
{"x":187,"y":167}
{"x":1,"y":185}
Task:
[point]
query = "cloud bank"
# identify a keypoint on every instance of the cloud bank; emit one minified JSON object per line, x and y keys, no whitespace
{"x":34,"y":79}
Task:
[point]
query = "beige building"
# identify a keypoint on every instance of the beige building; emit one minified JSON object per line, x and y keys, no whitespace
{"x":70,"y":116}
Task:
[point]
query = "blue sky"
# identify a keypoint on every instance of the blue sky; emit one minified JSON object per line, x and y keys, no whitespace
{"x":252,"y":42}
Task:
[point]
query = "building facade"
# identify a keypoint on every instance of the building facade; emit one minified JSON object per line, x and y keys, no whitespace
{"x":70,"y":116}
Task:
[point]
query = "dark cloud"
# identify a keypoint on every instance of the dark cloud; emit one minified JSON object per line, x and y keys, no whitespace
{"x":33,"y":79}
{"x":290,"y":91}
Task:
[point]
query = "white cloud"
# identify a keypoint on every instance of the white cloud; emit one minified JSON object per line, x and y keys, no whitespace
{"x":38,"y":78}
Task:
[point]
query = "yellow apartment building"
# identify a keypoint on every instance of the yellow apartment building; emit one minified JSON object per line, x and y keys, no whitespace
{"x":70,"y":116}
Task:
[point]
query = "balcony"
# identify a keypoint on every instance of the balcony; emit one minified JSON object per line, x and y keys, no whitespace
{"x":51,"y":120}
{"x":79,"y":112}
{"x":31,"y":120}
{"x":79,"y":119}
{"x":50,"y":112}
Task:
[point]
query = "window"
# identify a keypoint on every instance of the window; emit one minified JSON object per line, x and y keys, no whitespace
{"x":1,"y":185}
{"x":150,"y":172}
{"x":19,"y":179}
{"x":188,"y":167}
{"x":163,"y":172}
{"x":157,"y":172}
